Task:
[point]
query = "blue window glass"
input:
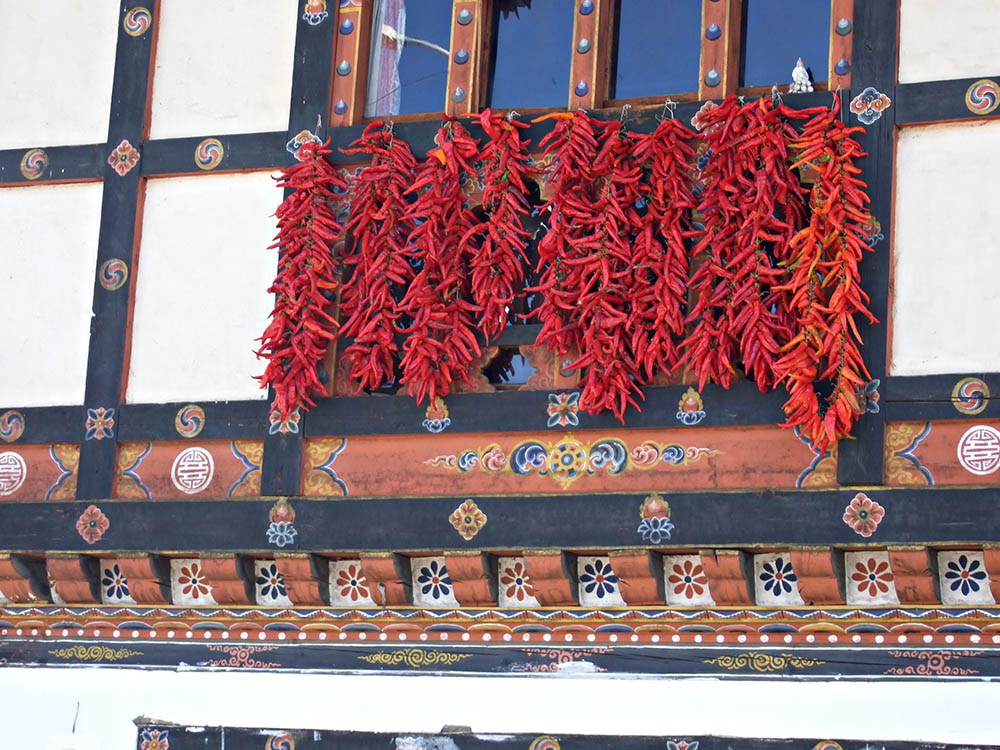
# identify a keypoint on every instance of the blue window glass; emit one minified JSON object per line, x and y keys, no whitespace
{"x":658,"y":47}
{"x":777,"y":33}
{"x":534,"y":42}
{"x":408,"y":71}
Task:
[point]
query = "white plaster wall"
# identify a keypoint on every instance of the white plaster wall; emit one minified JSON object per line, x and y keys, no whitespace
{"x":943,"y":40}
{"x":58,"y":61}
{"x":46,"y":700}
{"x":223,"y":67}
{"x":201,"y":298}
{"x":48,"y":247}
{"x":946,"y":302}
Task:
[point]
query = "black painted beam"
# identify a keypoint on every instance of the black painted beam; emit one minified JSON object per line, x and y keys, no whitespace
{"x":942,"y":101}
{"x":52,"y":164}
{"x":701,"y":519}
{"x":116,"y":251}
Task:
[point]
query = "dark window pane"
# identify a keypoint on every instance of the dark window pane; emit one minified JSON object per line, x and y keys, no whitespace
{"x":661,"y":62}
{"x":533,"y":51}
{"x":778,"y":32}
{"x":409,"y":60}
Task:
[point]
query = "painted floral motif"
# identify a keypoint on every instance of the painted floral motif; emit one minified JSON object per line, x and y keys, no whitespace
{"x":434,"y":580}
{"x":599,"y":579}
{"x":874,"y":231}
{"x":682,"y":745}
{"x":778,"y":576}
{"x":281,"y":532}
{"x":868,"y":397}
{"x":115,"y":585}
{"x":123,"y":158}
{"x":468,"y":519}
{"x":690,"y":409}
{"x":563,"y":409}
{"x":688,"y":579}
{"x":287,"y":426}
{"x":100,"y":424}
{"x":863,"y":515}
{"x":33,"y":163}
{"x":436,"y":417}
{"x":315,"y":12}
{"x":136,"y":23}
{"x":208,"y":154}
{"x":655,"y":514}
{"x":965,"y":575}
{"x":189,"y":420}
{"x":301,"y":139}
{"x":113,"y":274}
{"x":970,"y":396}
{"x":872,"y":576}
{"x":352,"y":583}
{"x":516,"y":583}
{"x":271,"y":582}
{"x":192,"y":581}
{"x":155,"y":739}
{"x":92,"y":524}
{"x":869,"y":105}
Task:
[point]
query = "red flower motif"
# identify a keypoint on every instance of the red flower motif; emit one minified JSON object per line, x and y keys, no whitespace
{"x":863,"y":514}
{"x":123,"y":158}
{"x":872,"y":577}
{"x":352,"y":583}
{"x":689,"y":580}
{"x":697,"y":121}
{"x":518,"y":585}
{"x":92,"y":524}
{"x":192,"y":581}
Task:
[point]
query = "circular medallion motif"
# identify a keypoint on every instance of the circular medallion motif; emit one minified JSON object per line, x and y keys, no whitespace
{"x":136,"y":21}
{"x":983,"y":97}
{"x":568,"y":460}
{"x":113,"y":274}
{"x":192,"y":471}
{"x":11,"y":426}
{"x":13,"y":471}
{"x":970,"y":395}
{"x":33,"y":163}
{"x":979,"y":450}
{"x":209,"y":154}
{"x":189,"y":421}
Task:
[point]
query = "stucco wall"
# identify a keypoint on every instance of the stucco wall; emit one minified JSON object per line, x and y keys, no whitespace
{"x":201,"y":296}
{"x":109,"y":699}
{"x":946,"y":300}
{"x":49,"y":256}
{"x":944,"y":40}
{"x":58,"y":63}
{"x":222,"y":67}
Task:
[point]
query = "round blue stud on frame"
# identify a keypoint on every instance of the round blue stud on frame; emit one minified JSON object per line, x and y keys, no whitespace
{"x":586,"y":7}
{"x":581,"y":88}
{"x":347,"y":27}
{"x":462,"y":57}
{"x":713,"y":32}
{"x":842,"y":68}
{"x":712,"y":78}
{"x":344,"y":68}
{"x":340,"y":107}
{"x":464,"y":18}
{"x":583,"y":46}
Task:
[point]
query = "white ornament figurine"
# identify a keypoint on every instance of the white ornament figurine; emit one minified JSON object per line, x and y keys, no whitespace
{"x":800,"y":80}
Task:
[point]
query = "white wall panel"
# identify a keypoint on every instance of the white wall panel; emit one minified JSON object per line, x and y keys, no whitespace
{"x":944,"y":40}
{"x":49,"y":237}
{"x":89,"y":708}
{"x":58,"y":61}
{"x":946,"y":305}
{"x":201,"y":297}
{"x":223,"y":67}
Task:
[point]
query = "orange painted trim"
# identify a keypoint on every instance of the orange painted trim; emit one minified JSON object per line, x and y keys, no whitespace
{"x":355,"y":49}
{"x":840,"y":45}
{"x":14,"y":586}
{"x":591,"y":68}
{"x":912,"y":573}
{"x":723,"y":54}
{"x":468,"y":76}
{"x":638,"y":580}
{"x":228,"y":586}
{"x":66,"y":578}
{"x":550,"y":579}
{"x":143,"y":584}
{"x":469,"y":578}
{"x":387,"y":588}
{"x":300,"y":582}
{"x":726,"y":581}
{"x":819,"y":583}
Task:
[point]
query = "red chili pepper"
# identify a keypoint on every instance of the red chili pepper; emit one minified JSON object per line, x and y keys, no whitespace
{"x":296,"y":340}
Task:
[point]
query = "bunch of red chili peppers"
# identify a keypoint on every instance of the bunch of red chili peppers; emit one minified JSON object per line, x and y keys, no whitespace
{"x":630,"y":285}
{"x":296,"y":340}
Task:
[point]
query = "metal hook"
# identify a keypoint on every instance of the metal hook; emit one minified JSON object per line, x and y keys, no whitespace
{"x":776,"y":95}
{"x":669,"y":108}
{"x":625,"y":109}
{"x":319,"y":123}
{"x":511,"y":115}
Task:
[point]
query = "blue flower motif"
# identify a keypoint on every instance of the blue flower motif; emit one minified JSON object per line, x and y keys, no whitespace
{"x":655,"y":530}
{"x":598,"y":578}
{"x":100,"y":424}
{"x":271,"y":582}
{"x":114,"y":581}
{"x":704,"y":159}
{"x":965,"y":574}
{"x":563,"y":409}
{"x":281,"y":533}
{"x":778,"y":577}
{"x":434,"y":580}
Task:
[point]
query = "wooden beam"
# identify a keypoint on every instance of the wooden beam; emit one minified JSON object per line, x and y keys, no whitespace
{"x":719,"y":71}
{"x":593,"y":41}
{"x":349,"y":82}
{"x":469,"y":56}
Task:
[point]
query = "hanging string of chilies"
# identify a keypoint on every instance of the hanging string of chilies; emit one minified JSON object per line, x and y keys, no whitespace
{"x":642,"y":270}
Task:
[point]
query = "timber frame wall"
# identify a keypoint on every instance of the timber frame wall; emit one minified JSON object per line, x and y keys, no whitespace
{"x":600,"y":521}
